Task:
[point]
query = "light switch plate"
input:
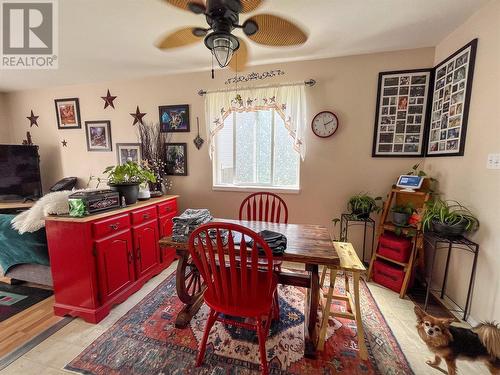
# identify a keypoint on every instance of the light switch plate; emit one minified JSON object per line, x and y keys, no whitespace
{"x":493,"y":161}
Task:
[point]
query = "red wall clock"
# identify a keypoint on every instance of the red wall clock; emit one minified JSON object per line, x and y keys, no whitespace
{"x":325,"y":124}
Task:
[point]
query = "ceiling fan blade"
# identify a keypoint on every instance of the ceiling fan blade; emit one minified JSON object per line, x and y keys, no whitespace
{"x":276,"y":31}
{"x":250,"y":5}
{"x":181,"y":37}
{"x":239,"y":60}
{"x":184,"y":4}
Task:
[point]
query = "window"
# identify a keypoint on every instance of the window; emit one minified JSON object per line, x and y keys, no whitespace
{"x":254,"y":149}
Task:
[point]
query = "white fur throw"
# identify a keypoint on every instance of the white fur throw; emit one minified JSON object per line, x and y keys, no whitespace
{"x":55,"y":203}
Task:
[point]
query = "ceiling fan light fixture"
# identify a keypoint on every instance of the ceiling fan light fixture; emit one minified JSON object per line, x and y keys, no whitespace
{"x":223,"y":46}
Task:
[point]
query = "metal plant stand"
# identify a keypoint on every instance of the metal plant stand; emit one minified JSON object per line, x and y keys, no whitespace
{"x":347,"y":220}
{"x":437,"y":242}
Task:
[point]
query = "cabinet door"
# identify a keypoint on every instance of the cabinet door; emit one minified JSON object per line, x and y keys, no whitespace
{"x":115,"y":264}
{"x":167,"y":253}
{"x":166,"y":225}
{"x":147,"y":254}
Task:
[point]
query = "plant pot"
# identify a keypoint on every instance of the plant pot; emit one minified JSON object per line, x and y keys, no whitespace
{"x":400,"y":219}
{"x":144,"y":194}
{"x":129,"y":191}
{"x":447,"y":230}
{"x":361,"y":214}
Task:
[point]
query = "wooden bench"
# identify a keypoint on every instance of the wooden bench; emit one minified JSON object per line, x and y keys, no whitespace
{"x":349,"y":264}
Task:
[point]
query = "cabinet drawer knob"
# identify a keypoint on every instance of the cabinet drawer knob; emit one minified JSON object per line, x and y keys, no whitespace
{"x":114,"y":226}
{"x":145,"y":216}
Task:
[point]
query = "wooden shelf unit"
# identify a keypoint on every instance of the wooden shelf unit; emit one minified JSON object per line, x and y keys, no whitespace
{"x":401,"y":197}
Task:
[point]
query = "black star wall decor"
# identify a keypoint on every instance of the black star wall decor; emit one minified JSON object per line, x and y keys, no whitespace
{"x":108,"y":100}
{"x":64,"y":143}
{"x":138,"y":115}
{"x":33,"y":119}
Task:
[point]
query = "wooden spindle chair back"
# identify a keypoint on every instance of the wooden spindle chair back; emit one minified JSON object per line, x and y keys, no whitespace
{"x":263,"y":206}
{"x":231,"y":271}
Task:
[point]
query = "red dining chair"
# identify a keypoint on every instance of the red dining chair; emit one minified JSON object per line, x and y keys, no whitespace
{"x":263,"y":206}
{"x":235,"y":287}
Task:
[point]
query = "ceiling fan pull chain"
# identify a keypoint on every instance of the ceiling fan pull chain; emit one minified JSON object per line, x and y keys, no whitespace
{"x":213,"y":72}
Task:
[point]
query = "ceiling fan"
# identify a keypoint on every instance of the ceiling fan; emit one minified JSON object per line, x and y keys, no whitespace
{"x":222,"y":17}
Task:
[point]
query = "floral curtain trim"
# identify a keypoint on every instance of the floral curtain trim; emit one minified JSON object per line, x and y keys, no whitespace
{"x":288,"y":102}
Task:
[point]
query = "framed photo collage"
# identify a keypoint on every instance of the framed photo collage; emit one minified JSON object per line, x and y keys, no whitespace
{"x":424,"y":112}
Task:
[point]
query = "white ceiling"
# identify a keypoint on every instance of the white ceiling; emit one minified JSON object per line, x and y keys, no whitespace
{"x":103,"y":40}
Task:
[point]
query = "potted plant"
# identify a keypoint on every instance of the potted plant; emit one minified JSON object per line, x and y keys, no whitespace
{"x":401,"y":214}
{"x":153,"y":150}
{"x":126,"y":179}
{"x":428,"y":185}
{"x":361,"y":205}
{"x":448,"y":218}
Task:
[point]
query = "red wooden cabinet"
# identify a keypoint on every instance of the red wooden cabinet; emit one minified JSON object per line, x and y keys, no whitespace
{"x":147,"y":255}
{"x":99,"y":261}
{"x":115,"y":265}
{"x":167,"y":212}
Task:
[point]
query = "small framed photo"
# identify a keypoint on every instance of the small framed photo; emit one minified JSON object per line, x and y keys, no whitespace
{"x":68,"y":113}
{"x":176,"y":159}
{"x":98,"y":135}
{"x":174,"y":118}
{"x":126,"y":152}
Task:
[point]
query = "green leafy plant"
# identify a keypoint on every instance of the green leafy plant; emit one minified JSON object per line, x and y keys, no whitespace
{"x":449,"y":213}
{"x":416,"y":171}
{"x":363,"y":204}
{"x":129,"y":173}
{"x":404,"y":209}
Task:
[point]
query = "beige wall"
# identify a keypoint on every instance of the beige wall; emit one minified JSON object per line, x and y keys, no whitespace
{"x":466,"y":178}
{"x":333,"y":169}
{"x":4,"y":119}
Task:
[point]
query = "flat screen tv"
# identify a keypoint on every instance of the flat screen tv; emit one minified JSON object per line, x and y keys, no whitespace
{"x":19,"y":173}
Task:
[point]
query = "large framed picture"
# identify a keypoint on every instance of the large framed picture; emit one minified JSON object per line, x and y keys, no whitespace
{"x":401,"y":113}
{"x":68,"y":113}
{"x":126,"y":152}
{"x":174,"y":118}
{"x":450,"y":105}
{"x":98,"y":135}
{"x":176,"y":159}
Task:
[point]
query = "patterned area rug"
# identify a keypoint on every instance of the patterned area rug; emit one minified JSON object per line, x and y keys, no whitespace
{"x":145,"y":341}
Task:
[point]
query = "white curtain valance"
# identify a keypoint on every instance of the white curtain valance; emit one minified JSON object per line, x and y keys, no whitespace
{"x":288,"y":101}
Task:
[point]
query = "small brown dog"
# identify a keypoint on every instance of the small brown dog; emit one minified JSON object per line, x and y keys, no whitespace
{"x":450,"y":343}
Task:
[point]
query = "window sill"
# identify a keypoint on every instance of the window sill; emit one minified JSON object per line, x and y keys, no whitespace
{"x":254,"y":189}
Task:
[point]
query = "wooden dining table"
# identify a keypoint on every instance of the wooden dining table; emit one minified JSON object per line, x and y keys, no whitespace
{"x":310,"y":245}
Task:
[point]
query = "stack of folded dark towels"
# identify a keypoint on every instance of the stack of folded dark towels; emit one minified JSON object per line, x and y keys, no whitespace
{"x":186,"y":223}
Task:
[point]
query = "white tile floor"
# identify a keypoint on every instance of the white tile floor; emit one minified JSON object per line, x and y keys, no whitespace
{"x":53,"y":354}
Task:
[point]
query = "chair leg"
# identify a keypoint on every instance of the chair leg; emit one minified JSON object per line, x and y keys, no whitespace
{"x":326,"y":310}
{"x":212,"y":317}
{"x":276,"y":309}
{"x":363,"y":352}
{"x":323,"y":275}
{"x":262,"y":335}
